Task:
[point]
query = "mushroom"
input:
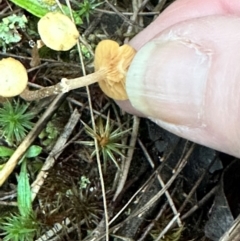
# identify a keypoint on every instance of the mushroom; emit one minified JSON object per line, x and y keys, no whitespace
{"x":57,"y":31}
{"x":14,"y":77}
{"x":111,"y":65}
{"x":115,"y":60}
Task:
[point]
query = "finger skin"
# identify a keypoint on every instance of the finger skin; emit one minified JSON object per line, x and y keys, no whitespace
{"x":182,"y":10}
{"x":196,"y":98}
{"x":213,"y":122}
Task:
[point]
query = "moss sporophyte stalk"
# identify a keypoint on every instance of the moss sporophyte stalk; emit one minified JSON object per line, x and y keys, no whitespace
{"x":111,"y":64}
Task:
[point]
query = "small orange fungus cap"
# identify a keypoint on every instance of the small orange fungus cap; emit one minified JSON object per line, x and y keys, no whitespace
{"x":115,"y":60}
{"x":14,"y":79}
{"x":57,"y":31}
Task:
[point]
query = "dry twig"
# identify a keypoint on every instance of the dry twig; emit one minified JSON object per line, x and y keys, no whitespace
{"x":55,"y":153}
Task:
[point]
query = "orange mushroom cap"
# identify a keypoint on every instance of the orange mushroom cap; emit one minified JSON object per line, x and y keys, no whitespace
{"x":115,"y":60}
{"x":57,"y":31}
{"x":14,"y":78}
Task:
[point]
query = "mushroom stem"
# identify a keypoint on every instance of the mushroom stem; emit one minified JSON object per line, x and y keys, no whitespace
{"x":64,"y":86}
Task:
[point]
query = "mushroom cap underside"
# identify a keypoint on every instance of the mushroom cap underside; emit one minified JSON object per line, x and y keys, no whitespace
{"x":116,"y":60}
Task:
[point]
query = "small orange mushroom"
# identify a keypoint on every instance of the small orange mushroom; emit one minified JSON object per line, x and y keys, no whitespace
{"x":14,"y":77}
{"x":57,"y":31}
{"x":115,"y":60}
{"x":111,"y":65}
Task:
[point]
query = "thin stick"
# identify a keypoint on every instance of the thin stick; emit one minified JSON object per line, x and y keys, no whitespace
{"x":5,"y":203}
{"x":232,"y":234}
{"x":131,"y":199}
{"x":195,"y":186}
{"x":132,"y":144}
{"x":141,"y":7}
{"x":130,"y":22}
{"x":125,"y":13}
{"x":167,"y":227}
{"x":133,"y":18}
{"x":59,"y":5}
{"x":95,"y":139}
{"x":171,"y":203}
{"x":54,"y":231}
{"x":149,"y":204}
{"x":36,"y":185}
{"x":117,"y":226}
{"x":200,"y":203}
{"x":153,"y":222}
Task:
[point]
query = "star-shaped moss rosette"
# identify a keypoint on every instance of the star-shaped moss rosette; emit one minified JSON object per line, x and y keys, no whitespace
{"x":108,"y":139}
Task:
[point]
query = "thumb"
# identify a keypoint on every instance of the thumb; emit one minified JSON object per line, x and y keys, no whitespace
{"x":187,"y":79}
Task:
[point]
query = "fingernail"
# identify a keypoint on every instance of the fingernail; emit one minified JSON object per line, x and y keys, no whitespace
{"x":167,"y":80}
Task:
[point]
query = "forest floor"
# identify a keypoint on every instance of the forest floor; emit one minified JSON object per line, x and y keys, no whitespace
{"x":162,"y":187}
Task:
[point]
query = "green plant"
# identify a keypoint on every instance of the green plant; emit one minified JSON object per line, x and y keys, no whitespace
{"x":172,"y":235}
{"x":19,"y":228}
{"x":85,"y":52}
{"x":87,"y":7}
{"x":41,"y":7}
{"x":23,"y":225}
{"x":6,"y":152}
{"x":50,"y":133}
{"x":15,"y":120}
{"x":83,"y":183}
{"x":107,"y":139}
{"x":9,"y":29}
